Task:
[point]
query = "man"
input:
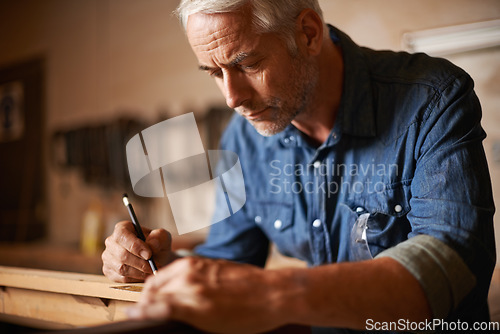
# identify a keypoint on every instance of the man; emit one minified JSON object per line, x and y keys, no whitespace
{"x":366,"y":164}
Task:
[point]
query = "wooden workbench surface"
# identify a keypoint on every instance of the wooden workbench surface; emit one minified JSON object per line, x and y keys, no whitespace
{"x":62,"y":298}
{"x":67,"y":283}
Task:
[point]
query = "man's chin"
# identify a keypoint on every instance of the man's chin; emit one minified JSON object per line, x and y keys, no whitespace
{"x":267,"y":128}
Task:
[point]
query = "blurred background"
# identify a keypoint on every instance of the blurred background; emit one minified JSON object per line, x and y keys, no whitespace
{"x":78,"y":78}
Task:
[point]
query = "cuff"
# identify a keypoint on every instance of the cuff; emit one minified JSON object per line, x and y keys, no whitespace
{"x":441,"y":272}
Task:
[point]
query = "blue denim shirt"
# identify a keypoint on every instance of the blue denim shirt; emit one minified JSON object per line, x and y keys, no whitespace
{"x":406,"y":148}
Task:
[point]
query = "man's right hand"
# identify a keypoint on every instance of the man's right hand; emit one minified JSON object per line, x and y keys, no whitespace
{"x":125,"y":257}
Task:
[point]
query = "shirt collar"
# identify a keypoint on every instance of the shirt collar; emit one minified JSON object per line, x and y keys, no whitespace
{"x":356,"y":106}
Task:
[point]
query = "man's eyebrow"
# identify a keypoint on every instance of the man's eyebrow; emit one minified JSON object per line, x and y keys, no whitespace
{"x":238,"y":59}
{"x":205,"y":68}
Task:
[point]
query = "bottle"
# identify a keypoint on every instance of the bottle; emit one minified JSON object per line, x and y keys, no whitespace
{"x":92,"y":230}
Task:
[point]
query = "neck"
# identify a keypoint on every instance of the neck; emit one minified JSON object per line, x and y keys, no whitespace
{"x":318,"y":120}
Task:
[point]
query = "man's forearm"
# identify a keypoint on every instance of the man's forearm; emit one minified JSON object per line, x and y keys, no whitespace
{"x":347,"y":294}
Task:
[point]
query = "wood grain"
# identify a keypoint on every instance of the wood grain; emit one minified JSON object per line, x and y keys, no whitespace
{"x":60,"y":298}
{"x":64,"y":282}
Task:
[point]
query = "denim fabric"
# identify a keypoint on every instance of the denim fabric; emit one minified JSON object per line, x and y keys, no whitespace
{"x":406,"y":148}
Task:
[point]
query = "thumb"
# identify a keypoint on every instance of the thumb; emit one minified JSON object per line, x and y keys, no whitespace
{"x":159,"y":240}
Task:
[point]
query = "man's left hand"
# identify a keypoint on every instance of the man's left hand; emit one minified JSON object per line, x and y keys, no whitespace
{"x":212,"y":295}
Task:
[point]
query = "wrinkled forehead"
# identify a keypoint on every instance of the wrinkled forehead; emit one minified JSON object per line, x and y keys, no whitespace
{"x":207,"y":32}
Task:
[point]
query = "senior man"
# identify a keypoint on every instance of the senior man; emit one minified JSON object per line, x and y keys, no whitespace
{"x":368,"y":165}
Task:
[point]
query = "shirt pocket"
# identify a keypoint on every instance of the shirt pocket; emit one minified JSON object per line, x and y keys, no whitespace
{"x":387,"y":223}
{"x":275,"y":219}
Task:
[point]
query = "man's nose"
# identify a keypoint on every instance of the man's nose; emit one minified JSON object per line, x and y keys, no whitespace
{"x":236,"y":89}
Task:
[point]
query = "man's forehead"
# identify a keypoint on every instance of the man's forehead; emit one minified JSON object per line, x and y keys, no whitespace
{"x":205,"y":29}
{"x":227,"y":31}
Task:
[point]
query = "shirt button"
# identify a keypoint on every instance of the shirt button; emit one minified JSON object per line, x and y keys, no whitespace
{"x":286,"y":140}
{"x":398,"y":208}
{"x":334,"y":135}
{"x":317,"y":223}
{"x":317,"y":164}
{"x":258,"y":219}
{"x":360,"y":209}
{"x":277,"y":224}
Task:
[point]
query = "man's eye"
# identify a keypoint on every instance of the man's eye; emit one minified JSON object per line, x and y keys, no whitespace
{"x":216,"y":74}
{"x":250,"y":67}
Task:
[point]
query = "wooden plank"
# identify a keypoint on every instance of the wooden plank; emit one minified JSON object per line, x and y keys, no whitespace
{"x":67,"y":283}
{"x":61,"y":309}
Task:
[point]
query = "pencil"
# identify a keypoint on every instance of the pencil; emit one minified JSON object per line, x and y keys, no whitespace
{"x":138,"y":229}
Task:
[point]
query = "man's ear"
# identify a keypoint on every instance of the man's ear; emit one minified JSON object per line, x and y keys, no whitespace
{"x":309,"y":32}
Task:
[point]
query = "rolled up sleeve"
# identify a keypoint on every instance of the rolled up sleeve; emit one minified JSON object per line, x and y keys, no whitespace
{"x":443,"y":275}
{"x":451,"y":248}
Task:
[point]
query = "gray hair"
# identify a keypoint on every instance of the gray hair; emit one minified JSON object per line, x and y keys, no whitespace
{"x":277,"y":16}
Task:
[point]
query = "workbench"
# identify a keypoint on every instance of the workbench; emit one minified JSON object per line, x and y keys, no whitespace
{"x":80,"y":304}
{"x":59,"y":288}
{"x":47,"y":299}
{"x":55,"y":300}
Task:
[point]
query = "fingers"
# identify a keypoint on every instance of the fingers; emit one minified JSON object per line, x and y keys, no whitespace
{"x":124,"y":259}
{"x":162,"y":297}
{"x":158,"y":308}
{"x":209,"y":294}
{"x":159,"y":240}
{"x":167,"y":279}
{"x":155,"y":304}
{"x":122,"y":266}
{"x":125,"y":236}
{"x":125,"y":254}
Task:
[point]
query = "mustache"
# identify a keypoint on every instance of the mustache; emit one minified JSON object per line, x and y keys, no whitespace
{"x":252,"y":108}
